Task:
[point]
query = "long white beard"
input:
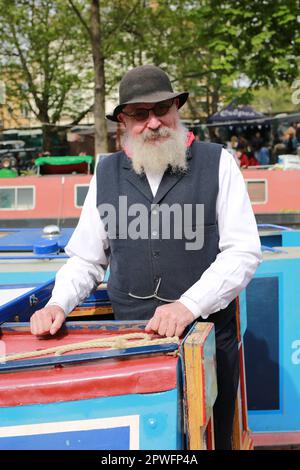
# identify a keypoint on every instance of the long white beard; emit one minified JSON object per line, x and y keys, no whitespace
{"x":151,"y":155}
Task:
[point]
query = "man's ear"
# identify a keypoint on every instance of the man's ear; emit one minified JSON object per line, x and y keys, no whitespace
{"x":177,"y":102}
{"x":120,"y":118}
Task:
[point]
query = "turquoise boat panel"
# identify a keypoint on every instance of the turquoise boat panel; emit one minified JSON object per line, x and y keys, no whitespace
{"x":150,"y":422}
{"x":272,"y":344}
{"x":23,"y":278}
{"x":291,"y":238}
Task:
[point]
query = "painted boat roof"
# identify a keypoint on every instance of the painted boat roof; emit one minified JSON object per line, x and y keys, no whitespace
{"x":7,"y":294}
{"x":109,"y":377}
{"x":282,"y":252}
{"x":21,"y":262}
{"x":24,"y":239}
{"x":15,"y":296}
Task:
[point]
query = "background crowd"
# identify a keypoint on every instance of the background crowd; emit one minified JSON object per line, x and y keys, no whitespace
{"x":260,"y":148}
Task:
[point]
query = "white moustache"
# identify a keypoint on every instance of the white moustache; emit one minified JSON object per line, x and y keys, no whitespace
{"x":152,"y":134}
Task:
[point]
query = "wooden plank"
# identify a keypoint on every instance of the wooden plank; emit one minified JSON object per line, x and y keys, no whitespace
{"x":91,"y":311}
{"x":241,"y":434}
{"x":237,"y":420}
{"x":200,"y":384}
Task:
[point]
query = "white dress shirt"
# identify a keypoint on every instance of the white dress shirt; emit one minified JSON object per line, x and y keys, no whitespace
{"x":227,"y":276}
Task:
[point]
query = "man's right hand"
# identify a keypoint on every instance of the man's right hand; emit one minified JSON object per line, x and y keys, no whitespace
{"x":47,"y":320}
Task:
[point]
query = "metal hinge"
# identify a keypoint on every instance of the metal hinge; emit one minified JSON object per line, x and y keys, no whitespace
{"x":33,"y":300}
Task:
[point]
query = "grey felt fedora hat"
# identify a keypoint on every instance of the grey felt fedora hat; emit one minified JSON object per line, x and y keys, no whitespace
{"x":145,"y":84}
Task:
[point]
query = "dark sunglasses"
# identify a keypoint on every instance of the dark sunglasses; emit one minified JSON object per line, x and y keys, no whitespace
{"x":159,"y":109}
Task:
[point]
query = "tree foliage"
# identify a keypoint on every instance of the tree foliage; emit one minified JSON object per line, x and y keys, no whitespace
{"x":208,"y":47}
{"x":275,"y":99}
{"x":41,"y":59}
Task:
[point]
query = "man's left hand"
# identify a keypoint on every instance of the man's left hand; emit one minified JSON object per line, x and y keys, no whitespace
{"x":170,"y":319}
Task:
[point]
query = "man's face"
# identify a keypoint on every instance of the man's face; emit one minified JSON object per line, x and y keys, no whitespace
{"x":156,"y":140}
{"x":153,"y":122}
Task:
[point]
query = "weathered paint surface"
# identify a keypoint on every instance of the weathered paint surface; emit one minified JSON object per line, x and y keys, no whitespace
{"x":272,"y":347}
{"x":135,"y":421}
{"x":112,"y":404}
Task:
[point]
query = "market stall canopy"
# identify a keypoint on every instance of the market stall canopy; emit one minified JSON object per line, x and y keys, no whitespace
{"x":235,"y":114}
{"x":64,"y":165}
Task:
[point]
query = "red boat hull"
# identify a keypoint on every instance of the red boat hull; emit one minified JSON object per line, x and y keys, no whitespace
{"x":275,"y":196}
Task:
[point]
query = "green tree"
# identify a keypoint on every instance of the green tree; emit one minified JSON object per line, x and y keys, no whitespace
{"x":102,"y":22}
{"x":274,"y":99}
{"x":209,"y":46}
{"x":42,"y":63}
{"x":53,"y":50}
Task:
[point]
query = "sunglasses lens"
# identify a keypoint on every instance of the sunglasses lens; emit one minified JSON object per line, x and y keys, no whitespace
{"x":162,"y":108}
{"x":141,"y":114}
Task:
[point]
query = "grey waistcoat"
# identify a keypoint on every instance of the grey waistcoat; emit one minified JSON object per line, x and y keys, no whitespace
{"x":140,"y":267}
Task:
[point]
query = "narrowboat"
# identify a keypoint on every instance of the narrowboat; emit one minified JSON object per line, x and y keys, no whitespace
{"x":110,"y":386}
{"x":29,"y":260}
{"x":130,"y":398}
{"x":57,"y":196}
{"x":275,"y":194}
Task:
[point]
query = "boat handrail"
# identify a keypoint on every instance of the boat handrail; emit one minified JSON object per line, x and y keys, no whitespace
{"x":279,"y":227}
{"x":272,"y":249}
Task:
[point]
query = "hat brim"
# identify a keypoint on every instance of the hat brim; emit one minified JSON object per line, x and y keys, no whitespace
{"x":153,"y":98}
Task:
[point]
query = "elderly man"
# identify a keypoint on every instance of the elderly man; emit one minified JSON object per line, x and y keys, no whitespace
{"x":173,"y":219}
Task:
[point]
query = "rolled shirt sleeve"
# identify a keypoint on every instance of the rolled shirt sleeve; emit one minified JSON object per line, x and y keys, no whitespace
{"x":88,"y":250}
{"x":239,"y":244}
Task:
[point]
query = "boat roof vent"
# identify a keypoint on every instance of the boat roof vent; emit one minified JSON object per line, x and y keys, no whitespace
{"x":46,"y":247}
{"x":51,"y":230}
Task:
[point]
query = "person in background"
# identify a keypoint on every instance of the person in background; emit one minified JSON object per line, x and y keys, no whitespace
{"x":290,"y":141}
{"x":257,"y":143}
{"x":246,"y":157}
{"x":232,"y":146}
{"x":261,"y":152}
{"x":298,"y":137}
{"x":215,"y":136}
{"x":263,"y":156}
{"x":234,"y":142}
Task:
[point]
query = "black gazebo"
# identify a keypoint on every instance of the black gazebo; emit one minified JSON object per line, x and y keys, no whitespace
{"x":234,"y":114}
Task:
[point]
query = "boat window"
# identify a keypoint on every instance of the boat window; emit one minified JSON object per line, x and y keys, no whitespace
{"x":80,"y":194}
{"x":7,"y":198}
{"x":257,"y":190}
{"x":17,"y":198}
{"x":24,"y":198}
